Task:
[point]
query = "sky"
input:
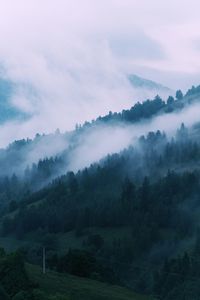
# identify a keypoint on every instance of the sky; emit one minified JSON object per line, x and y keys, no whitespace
{"x":70,"y":59}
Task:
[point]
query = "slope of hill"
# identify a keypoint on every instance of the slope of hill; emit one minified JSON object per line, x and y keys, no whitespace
{"x":137,"y":188}
{"x":89,"y":220}
{"x":74,"y":288}
{"x":19,"y":154}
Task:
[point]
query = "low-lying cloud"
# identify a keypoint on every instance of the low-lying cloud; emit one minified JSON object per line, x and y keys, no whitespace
{"x":99,"y":141}
{"x":91,"y":144}
{"x":70,"y":59}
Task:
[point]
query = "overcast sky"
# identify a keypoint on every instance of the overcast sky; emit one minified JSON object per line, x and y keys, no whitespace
{"x":71,"y":57}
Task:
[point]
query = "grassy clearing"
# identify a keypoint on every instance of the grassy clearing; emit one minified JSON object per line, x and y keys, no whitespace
{"x":70,"y":287}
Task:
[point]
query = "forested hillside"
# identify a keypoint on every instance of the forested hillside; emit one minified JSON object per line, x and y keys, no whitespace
{"x":22,"y":155}
{"x":131,"y":218}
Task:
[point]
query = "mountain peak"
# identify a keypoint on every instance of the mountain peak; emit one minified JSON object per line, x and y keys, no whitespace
{"x":139,"y":82}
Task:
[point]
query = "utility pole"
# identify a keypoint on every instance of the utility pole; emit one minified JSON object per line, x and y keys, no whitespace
{"x":43,"y":260}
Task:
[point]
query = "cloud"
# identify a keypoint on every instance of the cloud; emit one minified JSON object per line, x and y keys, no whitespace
{"x":137,"y":45}
{"x":99,"y":141}
{"x":70,"y":58}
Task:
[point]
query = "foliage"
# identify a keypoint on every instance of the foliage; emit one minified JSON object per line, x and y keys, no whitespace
{"x":12,"y":274}
{"x":151,"y":188}
{"x":3,"y":294}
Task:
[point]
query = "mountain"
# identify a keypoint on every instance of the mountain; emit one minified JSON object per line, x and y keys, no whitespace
{"x":142,"y":83}
{"x":127,"y":215}
{"x":71,"y":149}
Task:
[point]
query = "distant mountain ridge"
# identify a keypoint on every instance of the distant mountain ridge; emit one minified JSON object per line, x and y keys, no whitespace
{"x":139,"y":82}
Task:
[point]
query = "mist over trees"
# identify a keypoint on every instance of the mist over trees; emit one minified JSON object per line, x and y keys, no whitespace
{"x":147,"y":193}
